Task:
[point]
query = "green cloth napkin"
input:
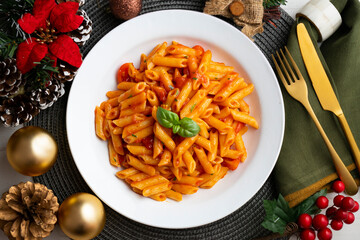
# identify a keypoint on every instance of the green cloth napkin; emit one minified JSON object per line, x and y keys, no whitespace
{"x":305,"y":165}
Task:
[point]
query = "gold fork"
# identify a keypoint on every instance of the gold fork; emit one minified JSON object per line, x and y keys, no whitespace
{"x":296,"y":87}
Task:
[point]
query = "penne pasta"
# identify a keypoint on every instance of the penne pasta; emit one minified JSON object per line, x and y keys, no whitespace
{"x":228,"y":89}
{"x":134,"y":162}
{"x":133,"y":101}
{"x":190,"y":106}
{"x":138,"y":150}
{"x":114,"y":94}
{"x":113,"y":156}
{"x":201,"y":155}
{"x":136,"y":177}
{"x":155,"y":189}
{"x":167,"y":154}
{"x":124,"y":121}
{"x":173,"y":195}
{"x":99,"y":123}
{"x":181,"y":149}
{"x":189,"y":161}
{"x":170,"y":62}
{"x":218,"y":176}
{"x":136,"y":127}
{"x":181,"y":98}
{"x":147,"y":182}
{"x":245,"y":118}
{"x":162,"y":135}
{"x":205,"y":62}
{"x":184,"y":188}
{"x":127,"y":173}
{"x":157,"y":147}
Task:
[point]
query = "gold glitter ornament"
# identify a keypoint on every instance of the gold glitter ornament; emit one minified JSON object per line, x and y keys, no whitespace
{"x":31,"y":151}
{"x":125,"y":9}
{"x":82,"y":216}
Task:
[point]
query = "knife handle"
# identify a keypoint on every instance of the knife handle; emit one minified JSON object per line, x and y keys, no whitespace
{"x":344,"y":174}
{"x":351,"y":140}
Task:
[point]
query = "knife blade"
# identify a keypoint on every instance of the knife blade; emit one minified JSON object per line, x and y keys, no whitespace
{"x":322,"y":86}
{"x":316,"y":71}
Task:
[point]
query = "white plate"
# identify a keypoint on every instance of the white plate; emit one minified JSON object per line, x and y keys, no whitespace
{"x":97,"y":76}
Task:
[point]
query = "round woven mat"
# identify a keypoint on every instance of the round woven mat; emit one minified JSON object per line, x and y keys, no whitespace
{"x":64,"y":178}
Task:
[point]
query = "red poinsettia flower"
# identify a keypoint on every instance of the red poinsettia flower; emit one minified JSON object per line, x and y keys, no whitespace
{"x":47,"y":23}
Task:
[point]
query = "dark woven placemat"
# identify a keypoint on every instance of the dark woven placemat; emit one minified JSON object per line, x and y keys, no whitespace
{"x":64,"y":178}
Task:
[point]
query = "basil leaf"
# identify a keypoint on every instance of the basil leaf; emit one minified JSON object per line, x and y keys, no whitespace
{"x":176,"y":128}
{"x":185,"y":127}
{"x":167,"y":118}
{"x":188,"y":127}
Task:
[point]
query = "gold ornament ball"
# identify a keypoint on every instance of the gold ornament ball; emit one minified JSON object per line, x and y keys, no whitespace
{"x":82,"y":216}
{"x":31,"y":151}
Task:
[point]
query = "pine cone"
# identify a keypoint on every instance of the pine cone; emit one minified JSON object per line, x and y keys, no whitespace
{"x":10,"y":78}
{"x":28,"y":211}
{"x":81,"y":2}
{"x":82,"y":34}
{"x":66,"y":72}
{"x":17,"y":110}
{"x":45,"y":97}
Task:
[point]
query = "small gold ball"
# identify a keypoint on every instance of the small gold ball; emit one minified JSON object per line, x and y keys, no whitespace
{"x":31,"y":151}
{"x":82,"y":216}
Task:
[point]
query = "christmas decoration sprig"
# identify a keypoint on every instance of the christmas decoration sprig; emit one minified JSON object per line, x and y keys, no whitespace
{"x":306,"y":219}
{"x":40,"y":44}
{"x":279,"y":214}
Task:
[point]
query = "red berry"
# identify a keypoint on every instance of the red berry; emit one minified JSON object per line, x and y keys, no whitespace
{"x":322,"y":202}
{"x":320,"y":221}
{"x":336,"y":224}
{"x":307,"y":234}
{"x":338,"y":186}
{"x":356,"y":207}
{"x":325,"y":234}
{"x":304,"y":220}
{"x":341,"y":214}
{"x":338,"y":200}
{"x":347,"y":203}
{"x":330,"y":212}
{"x":350,"y":219}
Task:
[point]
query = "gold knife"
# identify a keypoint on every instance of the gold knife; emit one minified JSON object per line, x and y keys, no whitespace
{"x":322,"y":86}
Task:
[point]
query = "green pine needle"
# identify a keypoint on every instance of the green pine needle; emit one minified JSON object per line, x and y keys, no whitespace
{"x":273,"y":3}
{"x":10,"y":12}
{"x":39,"y":76}
{"x":8,"y":46}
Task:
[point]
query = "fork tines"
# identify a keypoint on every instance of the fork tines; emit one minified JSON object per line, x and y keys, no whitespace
{"x":283,"y":59}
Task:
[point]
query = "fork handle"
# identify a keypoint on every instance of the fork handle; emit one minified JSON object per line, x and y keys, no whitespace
{"x":351,"y":140}
{"x":344,"y":174}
